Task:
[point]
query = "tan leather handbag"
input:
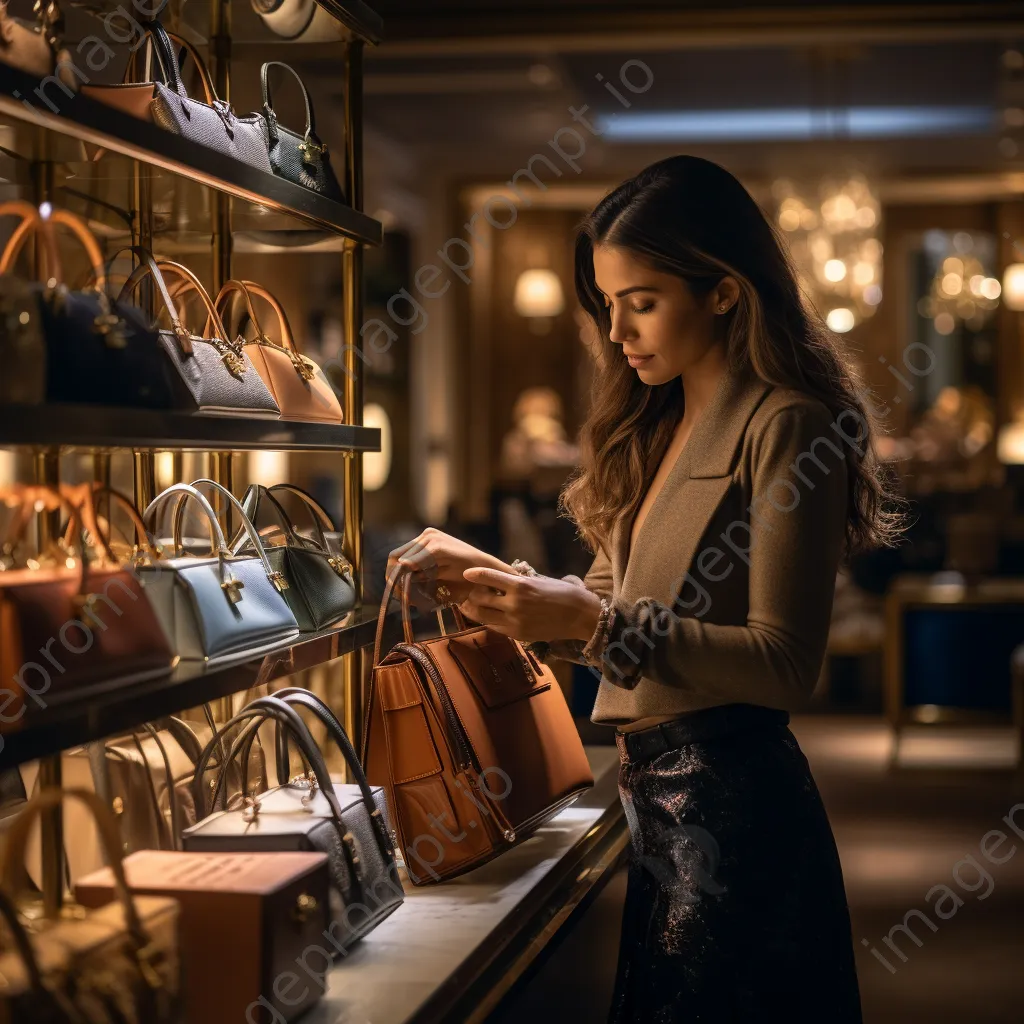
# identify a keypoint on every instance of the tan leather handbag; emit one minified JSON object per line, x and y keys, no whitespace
{"x":472,"y":740}
{"x":299,"y":386}
{"x":115,"y":965}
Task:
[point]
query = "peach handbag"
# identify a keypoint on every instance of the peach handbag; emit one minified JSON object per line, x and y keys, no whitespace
{"x":300,"y":387}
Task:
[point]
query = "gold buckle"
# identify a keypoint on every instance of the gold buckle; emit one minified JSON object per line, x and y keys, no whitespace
{"x":280,"y":583}
{"x":231,"y":587}
{"x":309,"y":148}
{"x":340,"y":565}
{"x":233,"y":361}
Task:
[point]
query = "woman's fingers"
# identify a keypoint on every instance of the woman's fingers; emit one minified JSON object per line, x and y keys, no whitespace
{"x":504,"y":582}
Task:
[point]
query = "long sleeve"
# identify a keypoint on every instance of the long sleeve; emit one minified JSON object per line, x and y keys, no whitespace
{"x":797,"y":520}
{"x":598,"y":580}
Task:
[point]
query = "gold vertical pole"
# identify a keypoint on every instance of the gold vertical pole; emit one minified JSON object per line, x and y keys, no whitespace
{"x":352,"y":289}
{"x":221,"y":468}
{"x":145,"y":479}
{"x":220,"y":68}
{"x":47,"y":472}
{"x":46,"y":465}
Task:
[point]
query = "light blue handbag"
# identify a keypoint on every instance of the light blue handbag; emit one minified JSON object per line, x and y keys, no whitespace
{"x":217,"y":607}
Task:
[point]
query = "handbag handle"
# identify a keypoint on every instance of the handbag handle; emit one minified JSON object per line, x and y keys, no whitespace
{"x":310,"y":137}
{"x":246,"y":525}
{"x":229,"y":584}
{"x":43,"y":225}
{"x":35,"y":498}
{"x":405,"y":576}
{"x":149,"y":267}
{"x":247,"y":289}
{"x":297,"y":695}
{"x":284,"y":327}
{"x":171,"y":68}
{"x":262,"y":709}
{"x":29,"y":224}
{"x":257,"y":493}
{"x":106,"y":825}
{"x":88,"y":493}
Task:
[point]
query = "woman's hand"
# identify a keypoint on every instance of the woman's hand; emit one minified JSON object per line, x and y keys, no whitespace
{"x":435,"y":559}
{"x":531,"y":607}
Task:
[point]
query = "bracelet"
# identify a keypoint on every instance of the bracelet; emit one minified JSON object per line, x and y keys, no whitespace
{"x":599,"y":641}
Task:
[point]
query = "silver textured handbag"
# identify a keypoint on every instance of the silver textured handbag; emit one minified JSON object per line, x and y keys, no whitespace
{"x":215,"y":608}
{"x":220,"y":378}
{"x":212,"y":123}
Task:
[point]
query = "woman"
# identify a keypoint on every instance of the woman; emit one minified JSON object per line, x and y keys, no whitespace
{"x":726,"y":469}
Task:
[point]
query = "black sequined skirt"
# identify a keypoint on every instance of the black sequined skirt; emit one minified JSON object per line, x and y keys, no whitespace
{"x":735,"y":907}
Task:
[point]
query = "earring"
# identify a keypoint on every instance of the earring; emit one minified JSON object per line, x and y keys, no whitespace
{"x":723,"y":307}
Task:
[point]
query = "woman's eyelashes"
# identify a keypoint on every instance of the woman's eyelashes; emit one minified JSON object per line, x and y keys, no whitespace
{"x":643,"y":309}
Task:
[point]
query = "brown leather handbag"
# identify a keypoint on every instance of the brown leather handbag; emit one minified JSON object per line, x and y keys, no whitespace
{"x":472,"y":740}
{"x":299,"y":386}
{"x":67,"y":621}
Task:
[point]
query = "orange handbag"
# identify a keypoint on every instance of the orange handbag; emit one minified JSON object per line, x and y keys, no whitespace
{"x":473,"y":742}
{"x":300,"y":387}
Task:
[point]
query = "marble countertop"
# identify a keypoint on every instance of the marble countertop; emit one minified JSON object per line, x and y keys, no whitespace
{"x":434,"y":944}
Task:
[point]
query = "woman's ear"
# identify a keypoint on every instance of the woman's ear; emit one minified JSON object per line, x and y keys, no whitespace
{"x":725,"y":294}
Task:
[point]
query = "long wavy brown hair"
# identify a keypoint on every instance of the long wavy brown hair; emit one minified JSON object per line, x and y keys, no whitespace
{"x":691,"y":218}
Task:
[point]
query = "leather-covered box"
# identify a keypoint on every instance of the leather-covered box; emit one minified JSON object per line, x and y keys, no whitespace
{"x":249,"y":922}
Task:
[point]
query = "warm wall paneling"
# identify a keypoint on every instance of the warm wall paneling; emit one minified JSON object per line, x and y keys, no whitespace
{"x":499,"y":356}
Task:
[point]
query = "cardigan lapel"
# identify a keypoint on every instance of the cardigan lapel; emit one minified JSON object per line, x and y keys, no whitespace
{"x":697,"y":482}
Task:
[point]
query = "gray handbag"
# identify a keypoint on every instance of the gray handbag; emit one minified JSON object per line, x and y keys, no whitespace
{"x":218,"y":607}
{"x":321,"y":588}
{"x":212,"y":123}
{"x":219,"y":378}
{"x":309,"y":813}
{"x":299,"y":158}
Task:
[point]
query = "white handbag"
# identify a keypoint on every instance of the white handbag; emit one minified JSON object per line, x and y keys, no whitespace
{"x":218,"y":607}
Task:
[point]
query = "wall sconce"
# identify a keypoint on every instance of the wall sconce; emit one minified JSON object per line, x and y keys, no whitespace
{"x":1013,"y":287}
{"x":539,"y":297}
{"x":377,"y":465}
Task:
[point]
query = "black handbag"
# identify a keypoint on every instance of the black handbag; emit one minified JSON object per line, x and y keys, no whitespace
{"x":321,"y":588}
{"x":302,"y":159}
{"x":59,"y":345}
{"x":308,"y":815}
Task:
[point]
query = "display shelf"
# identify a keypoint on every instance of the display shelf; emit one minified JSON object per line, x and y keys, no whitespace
{"x":100,"y":428}
{"x":359,"y":19}
{"x":456,"y":950}
{"x":87,"y":121}
{"x":91,"y":713}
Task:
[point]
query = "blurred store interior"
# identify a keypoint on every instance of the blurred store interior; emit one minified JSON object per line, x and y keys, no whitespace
{"x":886,"y":141}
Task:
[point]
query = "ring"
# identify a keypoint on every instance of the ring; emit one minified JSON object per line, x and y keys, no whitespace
{"x":442,"y":594}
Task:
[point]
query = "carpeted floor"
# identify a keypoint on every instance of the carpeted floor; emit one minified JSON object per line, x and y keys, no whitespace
{"x":901,"y":834}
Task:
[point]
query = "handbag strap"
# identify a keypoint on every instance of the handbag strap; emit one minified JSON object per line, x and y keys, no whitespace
{"x":268,"y":106}
{"x":43,"y":225}
{"x":35,"y":498}
{"x":106,"y":824}
{"x":284,"y":327}
{"x":85,"y":496}
{"x":162,"y":45}
{"x":227,"y":580}
{"x":297,"y":695}
{"x":29,"y":225}
{"x":229,"y":290}
{"x":398,"y":574}
{"x":254,"y":497}
{"x":260,"y":710}
{"x":149,"y":267}
{"x":245,"y":522}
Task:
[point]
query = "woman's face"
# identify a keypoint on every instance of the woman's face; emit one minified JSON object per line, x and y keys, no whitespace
{"x":663,"y":328}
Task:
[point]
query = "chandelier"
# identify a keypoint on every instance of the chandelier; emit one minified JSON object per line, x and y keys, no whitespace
{"x":832,"y":232}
